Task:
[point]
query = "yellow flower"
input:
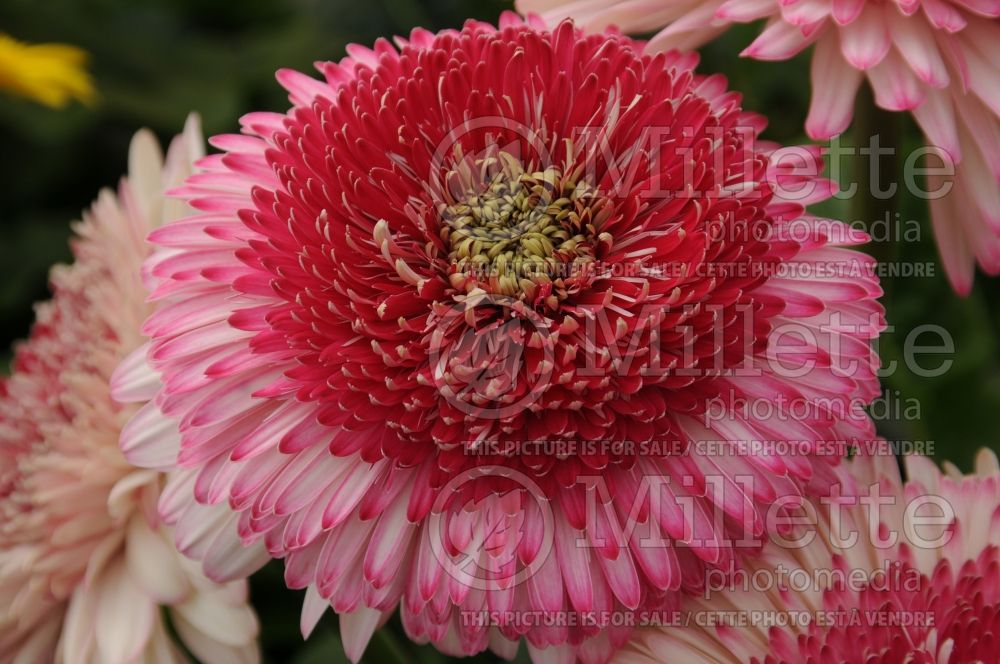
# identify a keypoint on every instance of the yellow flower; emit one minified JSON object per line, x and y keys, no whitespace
{"x":50,"y":74}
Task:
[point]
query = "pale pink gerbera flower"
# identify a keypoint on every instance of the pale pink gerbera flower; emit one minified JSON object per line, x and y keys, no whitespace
{"x":917,"y":581}
{"x":472,"y":240}
{"x":86,"y":565}
{"x":936,"y":58}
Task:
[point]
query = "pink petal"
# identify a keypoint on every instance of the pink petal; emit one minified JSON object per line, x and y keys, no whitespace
{"x":124,"y":616}
{"x":744,"y":11}
{"x":780,"y":40}
{"x":835,"y":86}
{"x":847,"y":11}
{"x":574,"y":562}
{"x":135,"y":380}
{"x":356,"y":629}
{"x":313,"y":608}
{"x":151,"y":439}
{"x":936,"y":116}
{"x":866,"y":41}
{"x":896,"y":87}
{"x":918,"y":47}
{"x":958,"y":260}
{"x":942,"y":15}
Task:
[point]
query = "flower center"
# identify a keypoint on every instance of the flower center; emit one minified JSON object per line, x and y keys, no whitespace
{"x":530,"y":235}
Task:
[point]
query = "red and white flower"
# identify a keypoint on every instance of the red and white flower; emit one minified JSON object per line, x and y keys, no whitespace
{"x":465,"y":242}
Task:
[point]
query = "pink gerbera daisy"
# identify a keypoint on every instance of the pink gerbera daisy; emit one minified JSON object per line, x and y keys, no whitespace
{"x":936,"y":58}
{"x":918,"y":580}
{"x":465,"y":243}
{"x":86,"y":565}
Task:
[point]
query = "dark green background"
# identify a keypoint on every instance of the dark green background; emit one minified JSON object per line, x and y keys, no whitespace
{"x":156,"y":60}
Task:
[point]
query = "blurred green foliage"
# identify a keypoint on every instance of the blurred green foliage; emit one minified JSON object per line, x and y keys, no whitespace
{"x":156,"y":60}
